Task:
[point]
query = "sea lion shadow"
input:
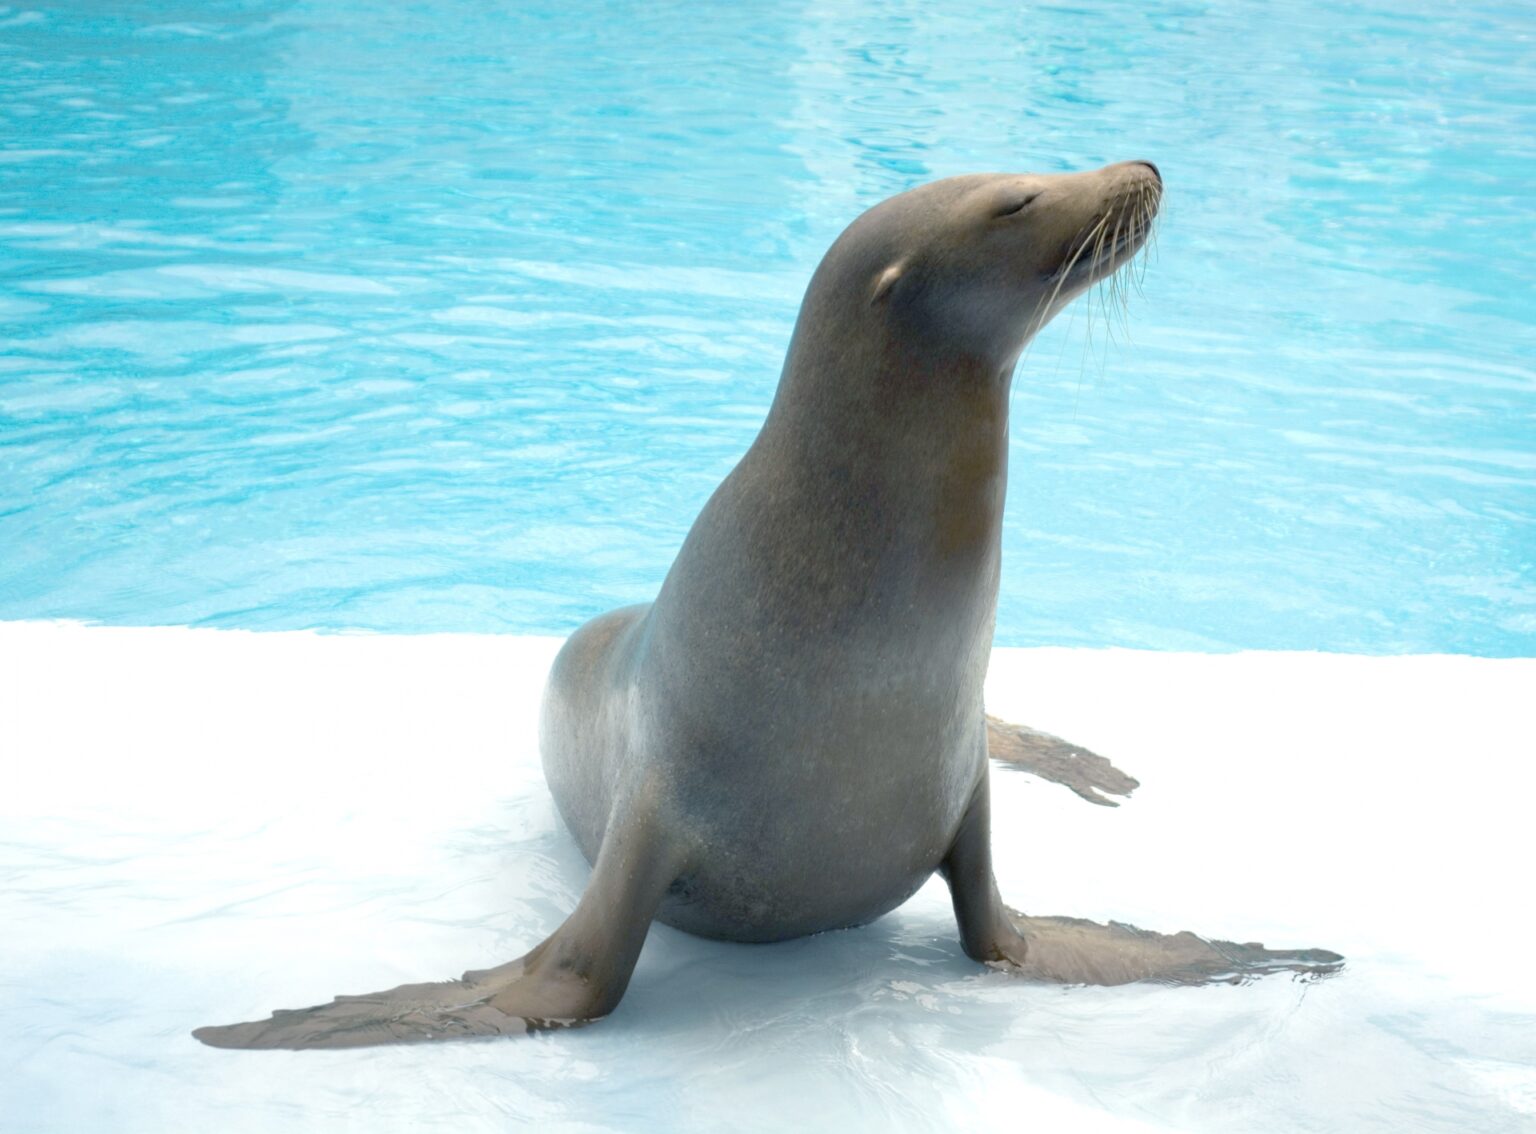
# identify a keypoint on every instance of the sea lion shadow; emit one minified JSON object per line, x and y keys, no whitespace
{"x":684,"y":982}
{"x":912,"y":954}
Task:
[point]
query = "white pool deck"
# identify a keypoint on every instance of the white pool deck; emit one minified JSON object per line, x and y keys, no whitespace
{"x":198,"y":826}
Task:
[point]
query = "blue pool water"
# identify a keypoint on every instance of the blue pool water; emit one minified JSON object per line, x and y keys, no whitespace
{"x":442,"y":316}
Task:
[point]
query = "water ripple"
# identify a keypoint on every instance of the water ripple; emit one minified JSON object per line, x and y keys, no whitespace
{"x":490,"y":273}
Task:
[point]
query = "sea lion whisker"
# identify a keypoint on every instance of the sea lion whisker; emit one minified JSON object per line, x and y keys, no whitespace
{"x":1095,"y":263}
{"x":1066,"y":270}
{"x":1088,"y":241}
{"x":1103,"y":254}
{"x":1112,"y":297}
{"x":1048,"y":301}
{"x":1158,"y":207}
{"x":1146,"y":208}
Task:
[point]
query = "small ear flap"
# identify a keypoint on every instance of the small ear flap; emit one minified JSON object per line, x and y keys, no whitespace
{"x":887,"y":280}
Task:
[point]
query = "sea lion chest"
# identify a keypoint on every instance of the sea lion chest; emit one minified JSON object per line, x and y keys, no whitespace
{"x":809,"y":695}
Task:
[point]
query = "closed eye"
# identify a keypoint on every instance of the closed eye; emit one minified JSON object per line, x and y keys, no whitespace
{"x":1017,"y":206}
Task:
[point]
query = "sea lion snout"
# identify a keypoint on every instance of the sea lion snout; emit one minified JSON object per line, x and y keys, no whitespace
{"x":1124,"y":200}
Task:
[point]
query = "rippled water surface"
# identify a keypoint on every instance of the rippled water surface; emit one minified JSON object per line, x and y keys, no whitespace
{"x":450,"y":316}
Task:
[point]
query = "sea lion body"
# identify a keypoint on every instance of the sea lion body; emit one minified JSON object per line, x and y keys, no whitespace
{"x":805,"y":692}
{"x":791,"y":737}
{"x":766,"y":805}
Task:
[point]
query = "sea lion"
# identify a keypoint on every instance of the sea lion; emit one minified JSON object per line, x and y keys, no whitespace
{"x":791,"y":738}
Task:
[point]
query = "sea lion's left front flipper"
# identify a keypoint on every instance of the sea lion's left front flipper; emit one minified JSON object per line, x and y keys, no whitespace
{"x":1052,"y":758}
{"x":1067,"y":950}
{"x":576,"y":976}
{"x":1070,"y":950}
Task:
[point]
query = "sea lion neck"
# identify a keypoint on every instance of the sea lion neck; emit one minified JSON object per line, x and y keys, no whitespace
{"x":882,"y":447}
{"x":921,"y":401}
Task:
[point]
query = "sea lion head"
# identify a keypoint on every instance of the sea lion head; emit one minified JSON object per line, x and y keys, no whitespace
{"x":976,"y":265}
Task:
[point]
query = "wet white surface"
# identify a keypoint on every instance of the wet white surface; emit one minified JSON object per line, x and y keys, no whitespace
{"x":198,"y":826}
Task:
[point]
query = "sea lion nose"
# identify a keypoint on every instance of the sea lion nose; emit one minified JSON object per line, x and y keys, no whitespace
{"x":1157,"y":173}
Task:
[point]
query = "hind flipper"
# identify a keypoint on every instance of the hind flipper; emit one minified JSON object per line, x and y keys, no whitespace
{"x":1072,"y":951}
{"x":576,"y":976}
{"x":1053,"y":759}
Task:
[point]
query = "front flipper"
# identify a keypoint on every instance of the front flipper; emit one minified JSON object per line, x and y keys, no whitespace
{"x":1053,"y":759}
{"x":412,"y":1013}
{"x":1069,"y":950}
{"x":1072,"y":951}
{"x":576,"y":976}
